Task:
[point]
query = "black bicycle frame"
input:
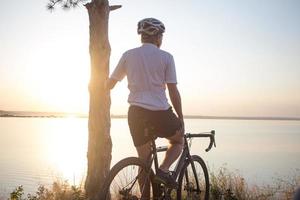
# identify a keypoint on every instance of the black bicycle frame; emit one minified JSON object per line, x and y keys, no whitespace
{"x":185,"y":155}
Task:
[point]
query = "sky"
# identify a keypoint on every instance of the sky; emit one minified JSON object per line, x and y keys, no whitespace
{"x":233,"y":58}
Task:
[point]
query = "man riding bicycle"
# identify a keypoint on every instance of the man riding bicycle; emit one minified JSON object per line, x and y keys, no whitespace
{"x":149,"y":71}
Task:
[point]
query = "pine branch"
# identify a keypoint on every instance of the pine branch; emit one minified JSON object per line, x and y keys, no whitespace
{"x":65,"y":4}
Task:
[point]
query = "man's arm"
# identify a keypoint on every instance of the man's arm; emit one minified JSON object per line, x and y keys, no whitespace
{"x":176,"y":100}
{"x":118,"y":74}
{"x":111,"y":83}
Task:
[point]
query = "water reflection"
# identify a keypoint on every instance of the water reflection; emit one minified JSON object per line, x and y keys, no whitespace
{"x":65,"y":143}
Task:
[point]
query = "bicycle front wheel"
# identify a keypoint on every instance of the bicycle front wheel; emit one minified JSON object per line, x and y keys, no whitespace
{"x":129,"y":179}
{"x":193,"y":180}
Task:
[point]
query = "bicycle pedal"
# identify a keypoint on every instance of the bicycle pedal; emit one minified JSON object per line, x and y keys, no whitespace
{"x":167,"y":185}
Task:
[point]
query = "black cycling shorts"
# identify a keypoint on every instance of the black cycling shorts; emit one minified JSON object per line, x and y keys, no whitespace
{"x":145,"y":124}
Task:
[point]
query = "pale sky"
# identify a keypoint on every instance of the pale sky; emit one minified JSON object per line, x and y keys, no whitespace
{"x":236,"y":58}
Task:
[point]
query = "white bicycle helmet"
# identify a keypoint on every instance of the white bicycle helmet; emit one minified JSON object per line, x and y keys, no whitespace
{"x":150,"y":26}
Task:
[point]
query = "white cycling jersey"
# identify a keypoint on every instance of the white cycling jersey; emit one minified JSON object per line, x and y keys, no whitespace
{"x":148,"y":69}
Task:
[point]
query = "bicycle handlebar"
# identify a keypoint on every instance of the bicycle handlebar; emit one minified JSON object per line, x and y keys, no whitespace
{"x":210,"y":134}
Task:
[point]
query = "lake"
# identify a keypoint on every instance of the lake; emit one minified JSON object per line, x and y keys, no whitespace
{"x":36,"y":151}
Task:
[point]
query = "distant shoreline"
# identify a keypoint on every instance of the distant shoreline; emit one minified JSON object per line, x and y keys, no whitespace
{"x":22,"y":114}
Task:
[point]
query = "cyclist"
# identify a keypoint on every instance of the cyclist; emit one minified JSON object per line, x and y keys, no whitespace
{"x":149,"y":71}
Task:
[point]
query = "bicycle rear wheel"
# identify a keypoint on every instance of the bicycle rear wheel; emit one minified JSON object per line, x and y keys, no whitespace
{"x":129,"y":179}
{"x":189,"y":178}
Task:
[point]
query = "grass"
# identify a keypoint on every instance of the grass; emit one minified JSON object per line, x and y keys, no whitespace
{"x":58,"y":191}
{"x":225,"y":185}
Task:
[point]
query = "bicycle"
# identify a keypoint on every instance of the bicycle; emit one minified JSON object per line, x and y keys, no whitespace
{"x":130,"y":177}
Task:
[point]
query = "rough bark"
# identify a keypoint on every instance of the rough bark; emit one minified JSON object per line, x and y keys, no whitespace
{"x":99,"y":142}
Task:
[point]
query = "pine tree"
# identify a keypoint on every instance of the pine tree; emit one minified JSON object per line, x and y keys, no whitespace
{"x":99,"y":142}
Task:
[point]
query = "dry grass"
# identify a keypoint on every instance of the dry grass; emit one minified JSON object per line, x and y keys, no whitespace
{"x":58,"y":191}
{"x":225,"y":185}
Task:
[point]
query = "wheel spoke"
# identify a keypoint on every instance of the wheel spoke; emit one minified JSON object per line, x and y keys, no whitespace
{"x":124,"y":181}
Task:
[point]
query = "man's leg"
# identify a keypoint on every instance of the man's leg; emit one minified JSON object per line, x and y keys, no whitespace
{"x":144,"y":151}
{"x":144,"y":182}
{"x":174,"y":150}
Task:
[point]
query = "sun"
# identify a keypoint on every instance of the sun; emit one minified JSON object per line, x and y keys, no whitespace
{"x":62,"y":86}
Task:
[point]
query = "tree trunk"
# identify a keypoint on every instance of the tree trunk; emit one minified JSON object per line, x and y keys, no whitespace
{"x":99,"y":142}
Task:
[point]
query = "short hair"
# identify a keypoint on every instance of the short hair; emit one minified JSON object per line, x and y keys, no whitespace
{"x":149,"y":38}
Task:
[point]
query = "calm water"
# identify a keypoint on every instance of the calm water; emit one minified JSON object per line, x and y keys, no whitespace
{"x":37,"y":151}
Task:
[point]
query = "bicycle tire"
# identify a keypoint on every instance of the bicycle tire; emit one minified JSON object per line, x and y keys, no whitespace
{"x":187,"y":187}
{"x":123,"y":176}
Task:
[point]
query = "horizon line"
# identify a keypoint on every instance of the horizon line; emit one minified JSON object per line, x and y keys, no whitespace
{"x":37,"y":114}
